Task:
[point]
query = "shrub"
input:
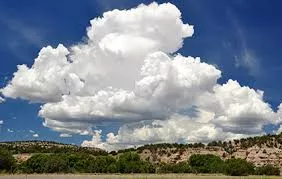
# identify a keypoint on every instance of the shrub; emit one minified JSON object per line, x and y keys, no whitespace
{"x":130,"y":162}
{"x":181,"y":167}
{"x":56,"y":164}
{"x":207,"y":163}
{"x":267,"y":170}
{"x":101,"y":164}
{"x":238,"y":167}
{"x":35,"y":164}
{"x":7,"y":161}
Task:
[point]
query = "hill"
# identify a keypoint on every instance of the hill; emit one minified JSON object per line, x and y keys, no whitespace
{"x":260,"y":150}
{"x":36,"y":146}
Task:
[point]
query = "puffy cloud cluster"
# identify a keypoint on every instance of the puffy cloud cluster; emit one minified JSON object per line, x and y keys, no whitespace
{"x":127,"y":73}
{"x":226,"y":112}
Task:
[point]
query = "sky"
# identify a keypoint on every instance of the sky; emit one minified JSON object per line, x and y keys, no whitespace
{"x":117,"y":74}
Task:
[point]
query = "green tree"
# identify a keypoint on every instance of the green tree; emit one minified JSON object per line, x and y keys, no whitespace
{"x":206,"y":163}
{"x":181,"y":167}
{"x":56,"y":164}
{"x":238,"y":167}
{"x":7,"y":161}
{"x":101,"y":164}
{"x":267,"y":170}
{"x":130,"y":162}
{"x":35,"y":164}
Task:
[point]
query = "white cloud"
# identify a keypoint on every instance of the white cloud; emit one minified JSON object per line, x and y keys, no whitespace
{"x":229,"y":111}
{"x":65,"y":135}
{"x":246,"y":58}
{"x":35,"y":135}
{"x":127,"y":73}
{"x":237,"y":109}
{"x":10,"y":130}
{"x":1,"y":122}
{"x":2,"y":100}
{"x":279,"y":130}
{"x":31,"y":131}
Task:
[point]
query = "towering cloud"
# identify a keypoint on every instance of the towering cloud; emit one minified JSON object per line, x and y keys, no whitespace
{"x":128,"y":74}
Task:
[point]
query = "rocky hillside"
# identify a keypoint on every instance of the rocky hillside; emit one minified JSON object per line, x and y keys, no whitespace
{"x":258,"y":150}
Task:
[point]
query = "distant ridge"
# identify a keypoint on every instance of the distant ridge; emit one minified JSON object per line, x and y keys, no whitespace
{"x":34,"y":141}
{"x":260,"y":150}
{"x":38,"y":146}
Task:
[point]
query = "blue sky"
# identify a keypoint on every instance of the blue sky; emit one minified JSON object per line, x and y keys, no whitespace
{"x":242,"y":38}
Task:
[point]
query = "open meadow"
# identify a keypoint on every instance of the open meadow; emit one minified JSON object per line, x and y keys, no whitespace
{"x":133,"y":176}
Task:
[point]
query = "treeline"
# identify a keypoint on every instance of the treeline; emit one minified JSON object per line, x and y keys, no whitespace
{"x":208,"y":163}
{"x":267,"y":140}
{"x":128,"y":162}
{"x":228,"y":146}
{"x":76,"y":163}
{"x":48,"y":147}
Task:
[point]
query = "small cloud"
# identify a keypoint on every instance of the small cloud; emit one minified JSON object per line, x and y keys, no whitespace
{"x":65,"y":135}
{"x":1,"y":122}
{"x":249,"y":61}
{"x":35,"y":135}
{"x":2,"y":100}
{"x":10,"y":130}
{"x":31,"y":131}
{"x":279,"y":130}
{"x":246,"y":56}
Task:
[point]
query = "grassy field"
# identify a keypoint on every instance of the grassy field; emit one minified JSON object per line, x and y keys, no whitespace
{"x":133,"y":176}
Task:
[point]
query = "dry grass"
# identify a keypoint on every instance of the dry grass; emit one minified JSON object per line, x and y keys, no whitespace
{"x":131,"y":176}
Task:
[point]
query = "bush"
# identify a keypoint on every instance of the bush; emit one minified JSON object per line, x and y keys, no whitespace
{"x":130,"y":162}
{"x":35,"y":164}
{"x":206,"y":163}
{"x":56,"y":164}
{"x":181,"y":167}
{"x":238,"y":167}
{"x":7,"y":161}
{"x":267,"y":170}
{"x":102,"y":164}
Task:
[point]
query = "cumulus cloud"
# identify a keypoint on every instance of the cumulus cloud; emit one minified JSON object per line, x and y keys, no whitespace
{"x":1,"y":122}
{"x":229,"y":111}
{"x":129,"y":73}
{"x":35,"y":135}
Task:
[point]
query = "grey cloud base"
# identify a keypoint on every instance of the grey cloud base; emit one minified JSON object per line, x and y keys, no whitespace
{"x":128,"y":72}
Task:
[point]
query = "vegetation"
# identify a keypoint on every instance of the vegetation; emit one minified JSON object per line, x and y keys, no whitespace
{"x":48,"y":147}
{"x":81,"y":163}
{"x":181,"y":167}
{"x":7,"y":161}
{"x":238,"y":167}
{"x":128,"y":162}
{"x":267,"y":170}
{"x":206,"y":163}
{"x":51,"y":157}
